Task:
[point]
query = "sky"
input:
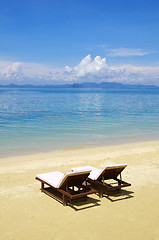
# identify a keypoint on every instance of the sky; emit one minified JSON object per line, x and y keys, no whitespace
{"x":67,"y":41}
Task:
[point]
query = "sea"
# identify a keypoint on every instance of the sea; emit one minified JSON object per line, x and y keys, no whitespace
{"x":35,"y":120}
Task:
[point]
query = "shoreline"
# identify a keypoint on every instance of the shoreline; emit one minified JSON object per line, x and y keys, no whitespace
{"x":26,"y":213}
{"x":111,"y":142}
{"x":96,"y":156}
{"x":74,"y":148}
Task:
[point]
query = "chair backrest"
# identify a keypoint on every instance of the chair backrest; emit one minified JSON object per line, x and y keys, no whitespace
{"x":111,"y":172}
{"x":73,"y":178}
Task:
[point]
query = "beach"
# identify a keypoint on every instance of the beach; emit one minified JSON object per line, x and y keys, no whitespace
{"x":26,"y":213}
{"x":79,"y":87}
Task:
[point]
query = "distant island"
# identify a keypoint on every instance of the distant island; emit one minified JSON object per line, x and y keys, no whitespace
{"x":109,"y":85}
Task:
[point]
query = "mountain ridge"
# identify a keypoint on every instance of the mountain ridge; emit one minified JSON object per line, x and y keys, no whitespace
{"x":113,"y":85}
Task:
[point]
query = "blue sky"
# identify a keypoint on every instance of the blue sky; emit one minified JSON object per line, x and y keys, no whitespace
{"x":73,"y":41}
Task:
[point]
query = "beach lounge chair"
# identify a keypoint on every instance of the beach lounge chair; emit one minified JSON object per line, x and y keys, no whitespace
{"x":107,"y":178}
{"x":71,"y":185}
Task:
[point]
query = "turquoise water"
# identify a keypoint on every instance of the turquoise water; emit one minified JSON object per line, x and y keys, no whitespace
{"x":43,"y":119}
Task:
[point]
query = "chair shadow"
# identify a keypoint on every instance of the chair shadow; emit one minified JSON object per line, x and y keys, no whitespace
{"x":84,"y":203}
{"x":115,"y":196}
{"x":76,"y":204}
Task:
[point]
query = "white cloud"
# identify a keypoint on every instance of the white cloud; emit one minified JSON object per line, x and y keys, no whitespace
{"x":68,"y":69}
{"x":97,"y":70}
{"x":126,"y":52}
{"x":37,"y":69}
{"x":88,"y":70}
{"x":13,"y":71}
{"x":88,"y":66}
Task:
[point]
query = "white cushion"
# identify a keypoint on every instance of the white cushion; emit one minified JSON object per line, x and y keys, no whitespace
{"x":66,"y":175}
{"x":52,"y":178}
{"x":95,"y":172}
{"x":56,"y":179}
{"x":79,"y":169}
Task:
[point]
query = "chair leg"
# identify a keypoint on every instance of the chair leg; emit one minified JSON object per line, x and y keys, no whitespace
{"x":100,"y":192}
{"x":42,"y":186}
{"x":64,"y":199}
{"x":119,"y":190}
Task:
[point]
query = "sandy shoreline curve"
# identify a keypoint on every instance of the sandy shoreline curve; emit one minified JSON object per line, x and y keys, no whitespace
{"x":26,"y":213}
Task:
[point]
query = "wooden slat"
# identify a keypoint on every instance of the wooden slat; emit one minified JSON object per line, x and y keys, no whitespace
{"x":87,"y":190}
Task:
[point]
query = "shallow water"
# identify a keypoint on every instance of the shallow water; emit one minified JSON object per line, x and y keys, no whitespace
{"x":44,"y":119}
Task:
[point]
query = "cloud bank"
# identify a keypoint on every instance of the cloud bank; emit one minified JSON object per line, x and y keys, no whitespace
{"x":127,"y":52}
{"x":88,"y":70}
{"x":13,"y":71}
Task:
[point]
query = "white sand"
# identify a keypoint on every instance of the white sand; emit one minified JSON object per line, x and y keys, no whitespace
{"x":26,"y":213}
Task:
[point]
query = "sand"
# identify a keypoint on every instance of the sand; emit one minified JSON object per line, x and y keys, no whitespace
{"x":26,"y":213}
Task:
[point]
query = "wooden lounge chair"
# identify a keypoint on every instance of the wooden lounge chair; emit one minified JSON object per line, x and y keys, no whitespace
{"x":107,"y":178}
{"x":71,"y":185}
